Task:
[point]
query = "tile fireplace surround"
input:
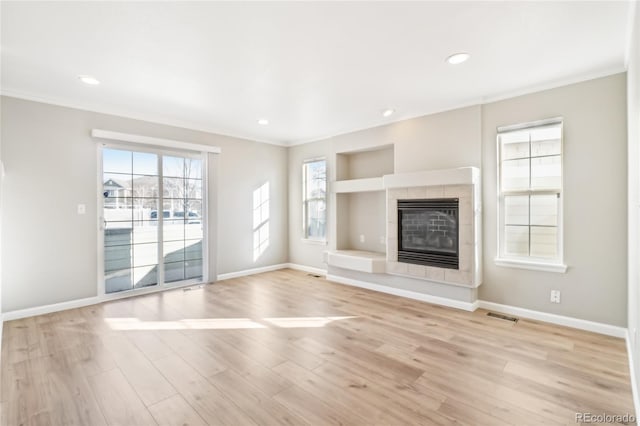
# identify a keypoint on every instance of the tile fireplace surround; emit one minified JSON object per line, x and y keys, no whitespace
{"x":383,"y":272}
{"x":466,"y":241}
{"x":462,"y":183}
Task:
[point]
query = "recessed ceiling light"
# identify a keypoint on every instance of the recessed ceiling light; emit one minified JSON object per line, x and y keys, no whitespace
{"x":87,"y":79}
{"x":263,"y":122}
{"x":458,"y":58}
{"x":388,"y":112}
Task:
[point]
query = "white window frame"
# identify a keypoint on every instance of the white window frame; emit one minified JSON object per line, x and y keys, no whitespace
{"x":161,"y":286}
{"x":530,"y":262}
{"x":305,"y":201}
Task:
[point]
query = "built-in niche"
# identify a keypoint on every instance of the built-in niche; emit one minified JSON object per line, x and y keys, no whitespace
{"x":372,"y":163}
{"x":361,"y":199}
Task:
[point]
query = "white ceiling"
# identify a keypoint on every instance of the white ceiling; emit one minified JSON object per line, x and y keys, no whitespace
{"x":314,"y":69}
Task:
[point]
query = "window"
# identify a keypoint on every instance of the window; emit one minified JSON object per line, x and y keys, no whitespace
{"x":143,"y":247}
{"x":314,"y":198}
{"x":530,"y":195}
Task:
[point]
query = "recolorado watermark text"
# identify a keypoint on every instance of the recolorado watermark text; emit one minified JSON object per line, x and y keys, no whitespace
{"x":605,"y":418}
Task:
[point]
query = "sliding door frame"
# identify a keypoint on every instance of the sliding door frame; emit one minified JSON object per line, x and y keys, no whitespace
{"x":161,"y":285}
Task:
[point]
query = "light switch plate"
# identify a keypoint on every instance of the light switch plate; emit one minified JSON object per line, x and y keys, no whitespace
{"x":82,"y":209}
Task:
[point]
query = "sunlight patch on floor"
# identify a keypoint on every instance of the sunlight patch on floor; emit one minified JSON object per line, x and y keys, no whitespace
{"x":222,"y":323}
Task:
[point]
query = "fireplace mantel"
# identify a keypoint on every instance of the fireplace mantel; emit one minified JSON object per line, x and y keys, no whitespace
{"x":459,"y":176}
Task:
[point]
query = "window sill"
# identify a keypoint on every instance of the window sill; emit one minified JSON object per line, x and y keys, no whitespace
{"x":534,"y":266}
{"x":316,"y":242}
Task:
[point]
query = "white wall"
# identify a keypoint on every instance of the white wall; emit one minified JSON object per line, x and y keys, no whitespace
{"x":595,"y":206}
{"x":633,"y":119}
{"x":51,"y":165}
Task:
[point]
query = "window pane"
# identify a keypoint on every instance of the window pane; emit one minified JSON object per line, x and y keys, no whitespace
{"x":173,"y":210}
{"x":144,"y":186}
{"x":544,"y":242}
{"x":145,"y":276}
{"x":515,"y":174}
{"x":145,"y":231}
{"x":193,"y":249}
{"x":145,"y":254}
{"x":515,"y":145}
{"x":116,"y":161}
{"x":193,"y":168}
{"x":516,"y":240}
{"x":546,"y":147}
{"x":193,"y":189}
{"x":315,"y":179}
{"x":546,"y":172}
{"x":144,"y":207}
{"x":172,"y":166}
{"x":116,"y":185}
{"x":118,"y":236}
{"x":544,"y":210}
{"x":193,"y":231}
{"x":193,"y":269}
{"x":516,"y":210}
{"x":173,"y":230}
{"x":316,"y":219}
{"x":173,"y":251}
{"x":194,"y":211}
{"x":173,"y":271}
{"x":145,"y":163}
{"x":174,"y":187}
{"x":118,"y":280}
{"x":545,"y":141}
{"x":117,"y":257}
{"x":315,"y":186}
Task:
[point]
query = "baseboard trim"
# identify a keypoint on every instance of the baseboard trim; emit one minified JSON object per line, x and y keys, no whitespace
{"x":252,"y":271}
{"x":632,"y":373}
{"x":47,"y":309}
{"x":309,"y":269}
{"x":79,"y":303}
{"x":436,"y":300}
{"x":596,"y":327}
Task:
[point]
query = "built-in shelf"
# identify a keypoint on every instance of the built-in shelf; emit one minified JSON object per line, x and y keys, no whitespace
{"x":358,"y":260}
{"x":358,"y":185}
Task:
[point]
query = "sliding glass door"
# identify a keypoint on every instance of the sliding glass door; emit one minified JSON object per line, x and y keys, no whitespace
{"x":153,"y":219}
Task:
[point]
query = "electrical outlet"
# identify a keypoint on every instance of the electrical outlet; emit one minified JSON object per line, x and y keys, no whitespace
{"x":82,"y":209}
{"x":383,"y":240}
{"x":555,"y":296}
{"x":361,"y":238}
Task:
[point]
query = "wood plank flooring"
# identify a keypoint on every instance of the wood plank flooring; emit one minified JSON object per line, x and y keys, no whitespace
{"x":286,"y":348}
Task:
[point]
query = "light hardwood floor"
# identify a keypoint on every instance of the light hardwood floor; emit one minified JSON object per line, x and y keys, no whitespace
{"x":287,"y":348}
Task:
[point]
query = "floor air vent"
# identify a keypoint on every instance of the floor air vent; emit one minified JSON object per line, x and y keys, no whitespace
{"x":502,"y":317}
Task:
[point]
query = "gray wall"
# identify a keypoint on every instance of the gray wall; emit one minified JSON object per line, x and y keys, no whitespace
{"x":594,"y":287}
{"x":41,"y":228}
{"x":595,"y":207}
{"x":51,"y":166}
{"x":633,"y":114}
{"x":438,"y":141}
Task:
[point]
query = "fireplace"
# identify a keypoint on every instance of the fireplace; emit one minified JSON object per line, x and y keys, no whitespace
{"x":428,"y":232}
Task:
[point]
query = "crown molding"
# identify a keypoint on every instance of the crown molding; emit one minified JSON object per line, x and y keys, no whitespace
{"x":67,"y":103}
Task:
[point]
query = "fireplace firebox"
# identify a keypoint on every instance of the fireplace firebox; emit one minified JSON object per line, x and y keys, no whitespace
{"x":428,"y":232}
